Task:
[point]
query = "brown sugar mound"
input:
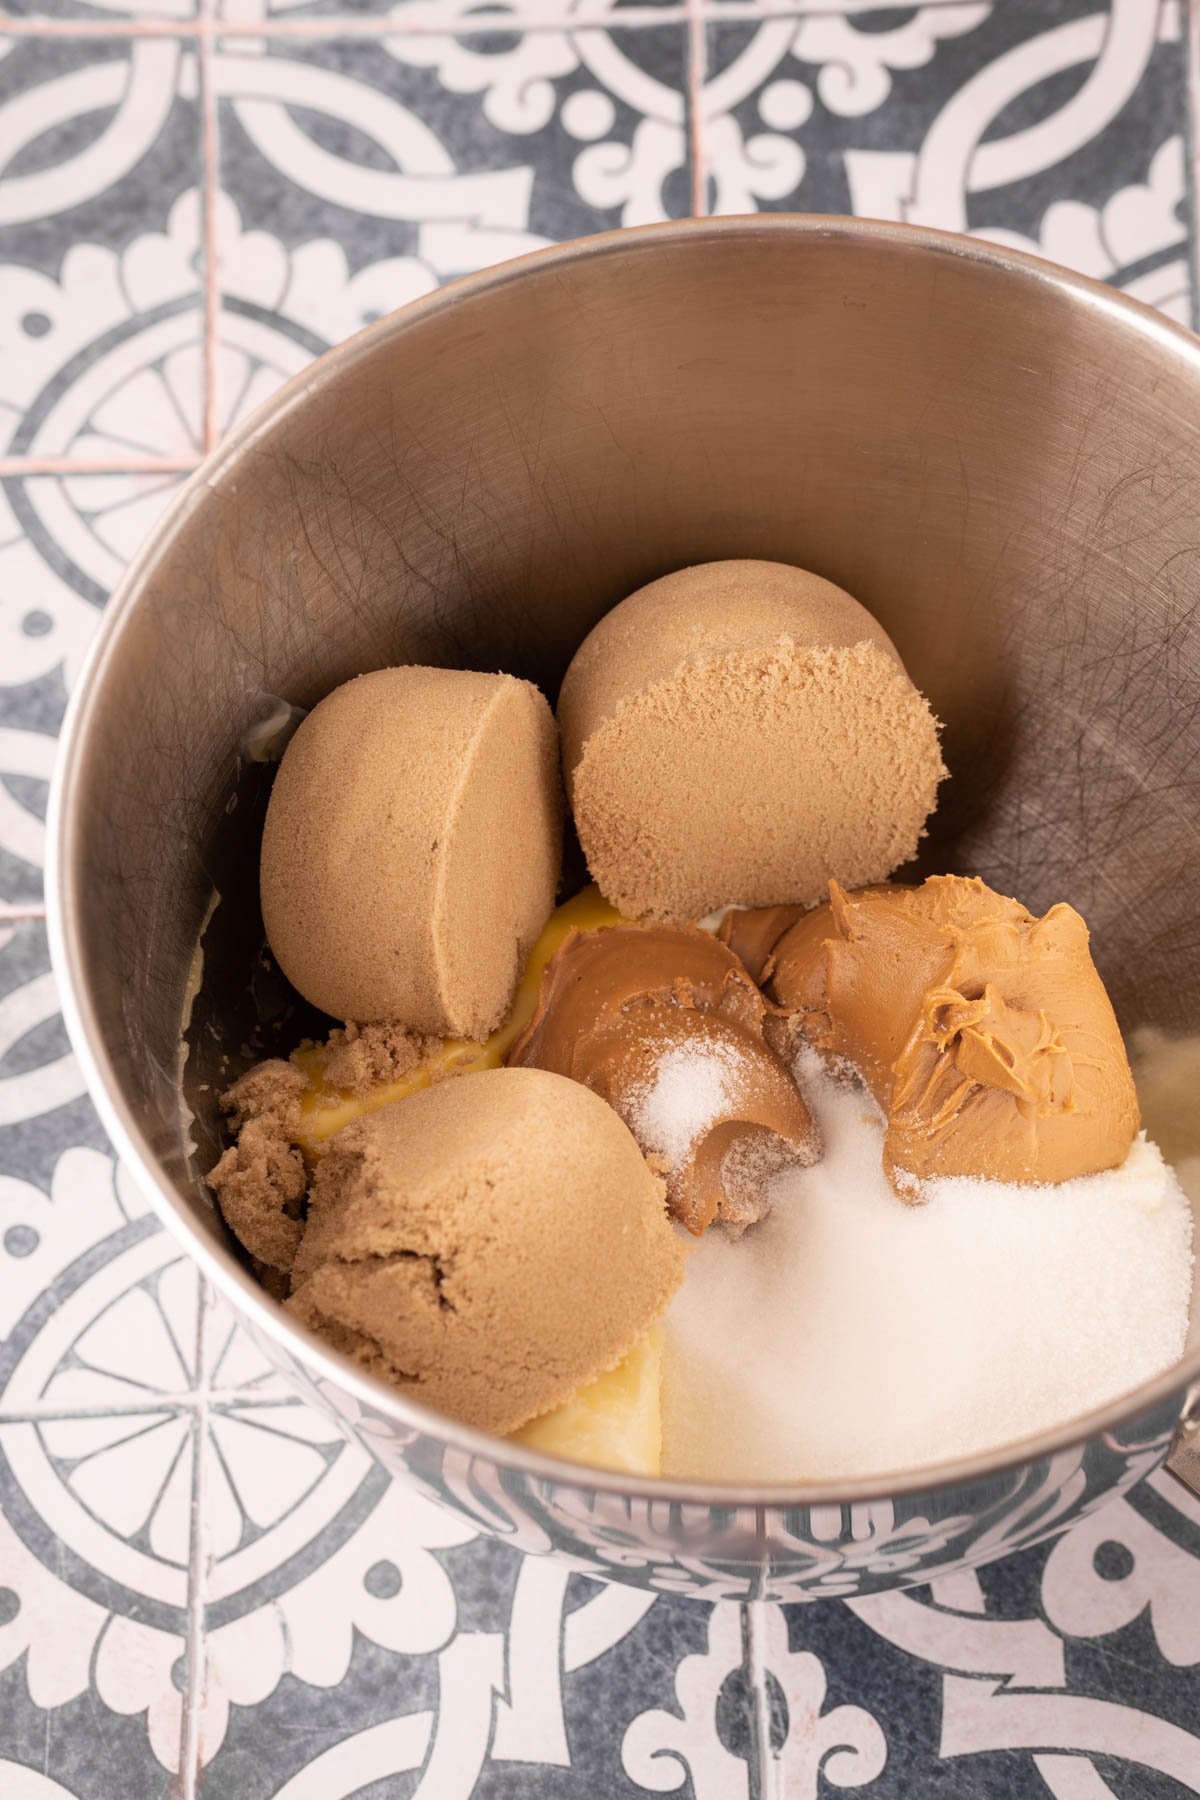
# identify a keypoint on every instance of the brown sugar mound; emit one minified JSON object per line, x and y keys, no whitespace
{"x":491,"y":1243}
{"x":985,"y":1034}
{"x":362,"y":1057}
{"x":260,"y":1180}
{"x":743,"y":731}
{"x":412,"y":846}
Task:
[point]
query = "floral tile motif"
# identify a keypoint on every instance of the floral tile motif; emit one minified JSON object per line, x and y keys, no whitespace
{"x":454,"y":152}
{"x":203,"y":1587}
{"x":91,"y":12}
{"x":43,"y":1106}
{"x":472,"y":1670}
{"x":1071,"y":1669}
{"x":461,"y":17}
{"x":358,"y":176}
{"x":1060,"y":131}
{"x":64,"y":542}
{"x":101,"y":136}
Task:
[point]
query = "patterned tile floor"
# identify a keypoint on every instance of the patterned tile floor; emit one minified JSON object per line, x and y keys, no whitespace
{"x":202,"y":1590}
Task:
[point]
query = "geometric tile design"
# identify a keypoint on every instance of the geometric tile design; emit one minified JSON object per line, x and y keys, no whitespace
{"x":203,"y":1588}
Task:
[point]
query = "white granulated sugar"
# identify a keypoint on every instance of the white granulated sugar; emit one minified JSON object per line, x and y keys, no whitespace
{"x":850,"y":1334}
{"x":691,"y":1089}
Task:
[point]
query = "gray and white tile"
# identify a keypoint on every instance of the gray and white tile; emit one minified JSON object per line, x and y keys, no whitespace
{"x":1053,"y":127}
{"x":203,"y":1587}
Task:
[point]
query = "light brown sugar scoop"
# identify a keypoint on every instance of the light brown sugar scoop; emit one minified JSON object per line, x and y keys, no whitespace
{"x":742,"y":732}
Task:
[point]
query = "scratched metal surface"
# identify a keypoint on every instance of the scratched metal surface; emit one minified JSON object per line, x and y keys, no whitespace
{"x":202,"y":1588}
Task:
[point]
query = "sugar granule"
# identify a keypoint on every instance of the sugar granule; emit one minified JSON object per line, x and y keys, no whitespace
{"x":850,"y":1334}
{"x":691,"y":1089}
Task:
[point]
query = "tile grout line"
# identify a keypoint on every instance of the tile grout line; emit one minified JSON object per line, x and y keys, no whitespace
{"x":210,"y":184}
{"x":172,"y":1404}
{"x":191,"y":1744}
{"x":350,"y":25}
{"x":25,"y":467}
{"x":1191,"y":82}
{"x":768,"y":1787}
{"x":697,"y":72}
{"x":485,"y":21}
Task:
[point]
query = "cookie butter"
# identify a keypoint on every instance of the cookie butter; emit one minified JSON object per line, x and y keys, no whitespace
{"x":666,"y":1025}
{"x":984,"y":1033}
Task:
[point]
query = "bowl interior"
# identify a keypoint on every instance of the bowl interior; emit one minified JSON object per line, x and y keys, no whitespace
{"x":999,"y":461}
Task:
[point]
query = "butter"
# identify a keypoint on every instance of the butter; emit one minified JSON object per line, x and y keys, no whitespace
{"x":325,"y":1110}
{"x":612,"y":1422}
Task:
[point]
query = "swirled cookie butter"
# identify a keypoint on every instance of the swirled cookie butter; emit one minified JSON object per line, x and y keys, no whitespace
{"x":666,"y":1025}
{"x":984,"y":1033}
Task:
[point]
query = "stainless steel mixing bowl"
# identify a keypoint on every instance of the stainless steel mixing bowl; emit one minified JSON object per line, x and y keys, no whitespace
{"x":1000,"y":459}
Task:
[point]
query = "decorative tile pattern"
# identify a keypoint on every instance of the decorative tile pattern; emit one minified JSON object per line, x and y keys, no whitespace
{"x":1068,"y":142}
{"x":457,"y":150}
{"x":100,"y":319}
{"x":202,"y":1586}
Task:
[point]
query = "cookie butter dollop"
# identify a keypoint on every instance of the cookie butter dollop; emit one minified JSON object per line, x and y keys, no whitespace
{"x":985,"y":1034}
{"x":666,"y":1025}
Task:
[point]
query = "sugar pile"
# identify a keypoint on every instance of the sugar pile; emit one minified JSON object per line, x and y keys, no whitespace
{"x":692,"y":1088}
{"x":850,"y":1334}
